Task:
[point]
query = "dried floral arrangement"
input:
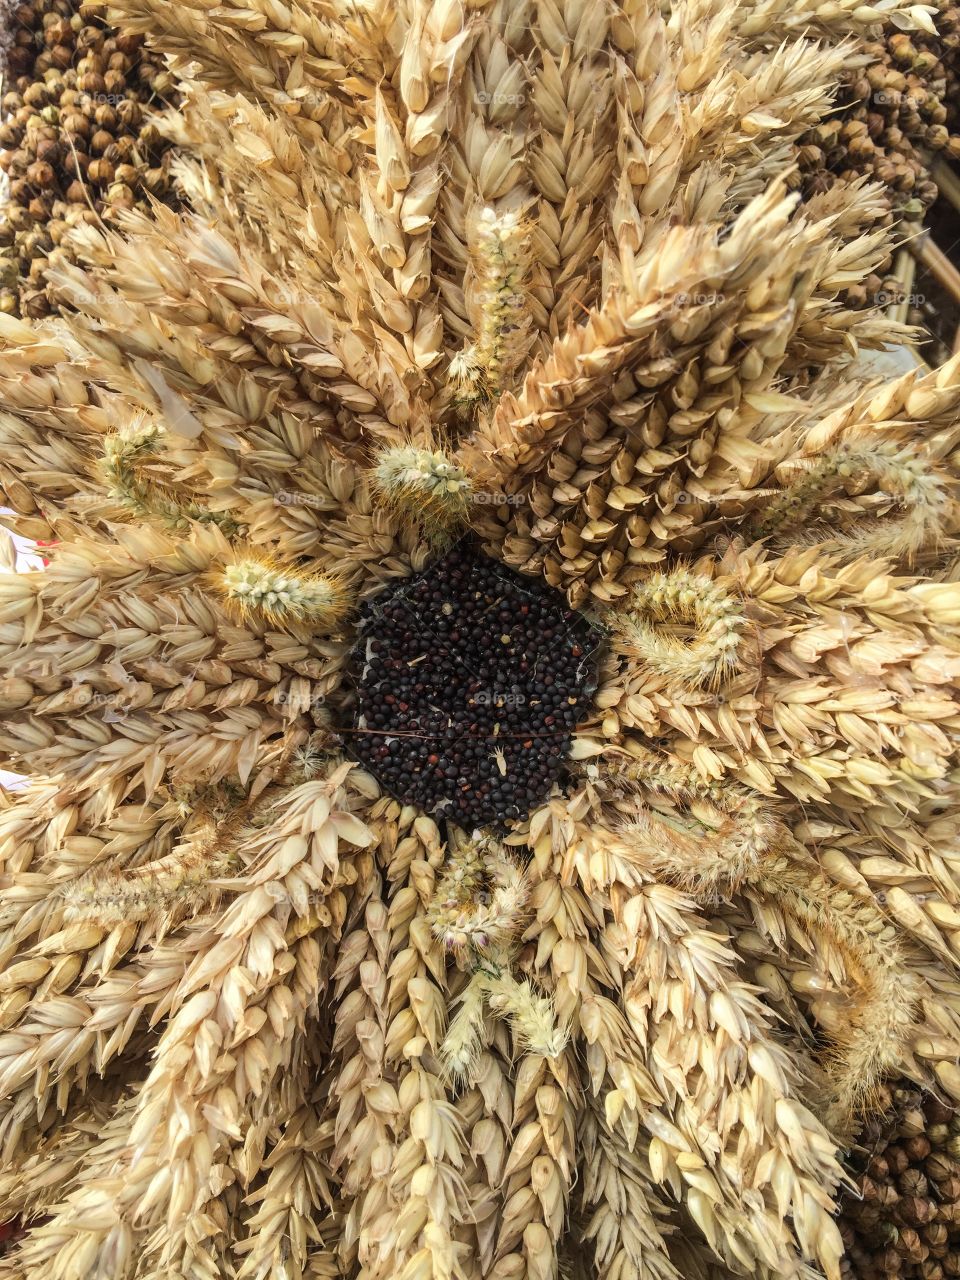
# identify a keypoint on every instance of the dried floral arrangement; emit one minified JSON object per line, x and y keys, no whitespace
{"x":515,"y":291}
{"x":76,"y":138}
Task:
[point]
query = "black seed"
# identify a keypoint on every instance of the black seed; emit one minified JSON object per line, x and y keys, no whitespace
{"x":493,"y":671}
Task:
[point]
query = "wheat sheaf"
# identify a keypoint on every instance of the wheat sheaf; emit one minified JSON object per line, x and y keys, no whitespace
{"x":515,"y":305}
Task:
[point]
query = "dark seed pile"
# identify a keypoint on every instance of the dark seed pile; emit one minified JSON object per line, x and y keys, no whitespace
{"x":472,"y":679}
{"x":903,"y":1220}
{"x":895,"y":116}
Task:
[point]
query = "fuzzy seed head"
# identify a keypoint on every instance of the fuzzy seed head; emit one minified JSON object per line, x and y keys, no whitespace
{"x":531,"y":1014}
{"x":310,"y":760}
{"x":125,"y":453}
{"x":716,"y":617}
{"x":424,"y":487}
{"x":917,"y":488}
{"x":462,"y":1044}
{"x":283,"y":596}
{"x":160,"y":890}
{"x":480,"y":898}
{"x":499,"y":245}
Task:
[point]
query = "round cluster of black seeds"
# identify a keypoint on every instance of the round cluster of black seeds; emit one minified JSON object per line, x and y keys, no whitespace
{"x":471,"y":680}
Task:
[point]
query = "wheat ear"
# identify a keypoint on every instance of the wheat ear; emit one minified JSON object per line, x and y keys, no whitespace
{"x":124,"y":454}
{"x":906,"y":475}
{"x":425,"y":488}
{"x":726,"y":860}
{"x":499,"y":247}
{"x":682,"y":596}
{"x":283,"y":595}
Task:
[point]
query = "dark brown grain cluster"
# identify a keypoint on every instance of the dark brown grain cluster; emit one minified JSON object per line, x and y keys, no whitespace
{"x":904,"y":1219}
{"x":897,"y":114}
{"x":76,"y":140}
{"x":472,"y":679}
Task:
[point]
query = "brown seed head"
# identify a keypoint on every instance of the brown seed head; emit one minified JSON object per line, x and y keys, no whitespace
{"x":101,"y":172}
{"x":910,"y":1246}
{"x":939,"y":1166}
